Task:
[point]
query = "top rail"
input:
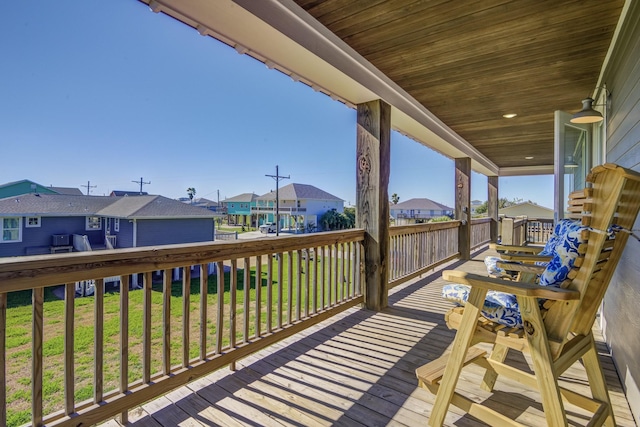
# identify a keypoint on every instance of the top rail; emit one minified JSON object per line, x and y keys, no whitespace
{"x":28,"y":272}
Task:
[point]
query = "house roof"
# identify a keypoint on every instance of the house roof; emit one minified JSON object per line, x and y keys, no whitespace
{"x":296,"y":191}
{"x":71,"y":191}
{"x":244,"y":197}
{"x":59,"y":190}
{"x":527,"y":208}
{"x":117,"y":207}
{"x":422,"y":204}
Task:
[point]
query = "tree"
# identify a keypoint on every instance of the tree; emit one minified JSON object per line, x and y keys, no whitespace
{"x":395,"y":198}
{"x":333,"y":220}
{"x":191,"y":192}
{"x":503,"y":202}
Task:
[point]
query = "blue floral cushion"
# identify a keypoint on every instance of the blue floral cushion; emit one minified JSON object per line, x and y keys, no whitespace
{"x":498,"y":306}
{"x":503,"y":308}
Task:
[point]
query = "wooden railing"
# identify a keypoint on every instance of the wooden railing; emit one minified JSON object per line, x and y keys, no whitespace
{"x":539,"y":230}
{"x":415,"y":249}
{"x":513,"y":231}
{"x":104,"y":354}
{"x":480,"y":232}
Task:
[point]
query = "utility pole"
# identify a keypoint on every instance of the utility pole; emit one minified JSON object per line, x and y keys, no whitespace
{"x":89,"y":187}
{"x":141,"y":182}
{"x":278,"y":178}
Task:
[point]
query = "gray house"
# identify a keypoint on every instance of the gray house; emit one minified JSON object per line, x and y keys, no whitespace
{"x":49,"y":223}
{"x":418,"y":210}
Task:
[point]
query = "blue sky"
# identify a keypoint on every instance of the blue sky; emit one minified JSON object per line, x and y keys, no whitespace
{"x":109,"y":92}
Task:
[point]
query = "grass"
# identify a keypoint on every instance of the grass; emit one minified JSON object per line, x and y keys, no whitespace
{"x":19,"y":321}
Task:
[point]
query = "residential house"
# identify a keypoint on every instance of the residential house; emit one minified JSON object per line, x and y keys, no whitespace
{"x":238,"y":209}
{"x":528,"y":209}
{"x":418,"y":210}
{"x":26,"y":186}
{"x":201,"y":202}
{"x":47,"y":223}
{"x":300,"y":206}
{"x":475,"y":204}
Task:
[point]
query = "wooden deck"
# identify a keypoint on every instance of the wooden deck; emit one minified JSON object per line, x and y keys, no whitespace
{"x":358,"y":370}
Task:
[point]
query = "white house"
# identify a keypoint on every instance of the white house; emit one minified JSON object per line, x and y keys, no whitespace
{"x":300,"y":206}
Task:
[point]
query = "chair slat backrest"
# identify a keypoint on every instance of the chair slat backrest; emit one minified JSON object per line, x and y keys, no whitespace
{"x":613,"y":199}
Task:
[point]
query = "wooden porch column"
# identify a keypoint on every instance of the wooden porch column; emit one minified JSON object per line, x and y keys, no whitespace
{"x":463,"y":205}
{"x":492,"y":207}
{"x":372,"y":198}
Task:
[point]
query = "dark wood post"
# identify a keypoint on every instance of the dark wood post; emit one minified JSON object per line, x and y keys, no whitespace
{"x":372,"y":198}
{"x":492,"y":206}
{"x":463,"y":205}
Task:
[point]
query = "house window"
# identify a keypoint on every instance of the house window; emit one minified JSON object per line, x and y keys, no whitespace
{"x":231,"y":204}
{"x":93,"y":223}
{"x":32,"y":221}
{"x":116,"y":225}
{"x":11,"y":230}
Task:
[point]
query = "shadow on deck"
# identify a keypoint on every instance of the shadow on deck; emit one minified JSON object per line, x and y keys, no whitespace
{"x":357,"y":369}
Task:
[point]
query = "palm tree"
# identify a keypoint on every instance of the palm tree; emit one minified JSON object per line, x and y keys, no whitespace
{"x":191,"y":192}
{"x":395,"y":198}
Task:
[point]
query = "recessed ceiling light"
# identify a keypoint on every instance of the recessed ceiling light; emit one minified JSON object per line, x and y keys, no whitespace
{"x":528,"y":157}
{"x":509,"y":116}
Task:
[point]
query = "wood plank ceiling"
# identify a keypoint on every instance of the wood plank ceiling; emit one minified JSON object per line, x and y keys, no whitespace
{"x":470,"y":62}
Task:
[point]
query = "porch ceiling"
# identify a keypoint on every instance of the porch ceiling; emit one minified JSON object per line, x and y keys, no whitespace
{"x":450,"y":70}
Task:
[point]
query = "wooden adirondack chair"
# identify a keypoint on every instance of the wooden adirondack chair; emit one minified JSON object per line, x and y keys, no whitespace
{"x":557,"y":334}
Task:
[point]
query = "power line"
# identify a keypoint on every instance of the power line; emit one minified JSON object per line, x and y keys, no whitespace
{"x":278,"y":178}
{"x":88,"y":187}
{"x":141,"y":182}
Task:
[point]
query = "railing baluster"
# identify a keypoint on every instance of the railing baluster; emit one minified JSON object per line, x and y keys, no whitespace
{"x":298,"y":283}
{"x":316,"y":260}
{"x":343,"y":277}
{"x":307,"y":273}
{"x":186,"y":305}
{"x":269,"y":293}
{"x":166,"y":322}
{"x":280,"y":289}
{"x":204,"y":282}
{"x":335,"y":273}
{"x":3,"y":358}
{"x":323,"y":279}
{"x":358,"y":268}
{"x":233,"y":285}
{"x":290,"y":288}
{"x":246,"y":290}
{"x":258,"y":287}
{"x":69,"y":372}
{"x":349,"y":271}
{"x":124,"y":341}
{"x":98,"y":341}
{"x":220,"y":306}
{"x":329,"y":276}
{"x":36,"y":354}
{"x":147,"y":283}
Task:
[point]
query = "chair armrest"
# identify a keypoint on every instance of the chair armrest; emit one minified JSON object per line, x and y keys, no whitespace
{"x":516,"y":288}
{"x":509,"y":248}
{"x":525,"y":257}
{"x":525,"y":268}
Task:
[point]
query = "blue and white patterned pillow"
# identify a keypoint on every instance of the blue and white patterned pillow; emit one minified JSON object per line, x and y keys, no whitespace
{"x":503,"y":308}
{"x":561,"y":228}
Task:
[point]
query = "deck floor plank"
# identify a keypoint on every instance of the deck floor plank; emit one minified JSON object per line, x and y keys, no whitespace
{"x":358,"y":369}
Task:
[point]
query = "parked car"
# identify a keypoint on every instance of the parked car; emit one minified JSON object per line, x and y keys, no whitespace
{"x":268,"y":228}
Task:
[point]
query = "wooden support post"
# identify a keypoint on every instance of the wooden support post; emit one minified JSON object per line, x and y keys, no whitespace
{"x":492,"y":207}
{"x":463,"y":205}
{"x":372,"y":198}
